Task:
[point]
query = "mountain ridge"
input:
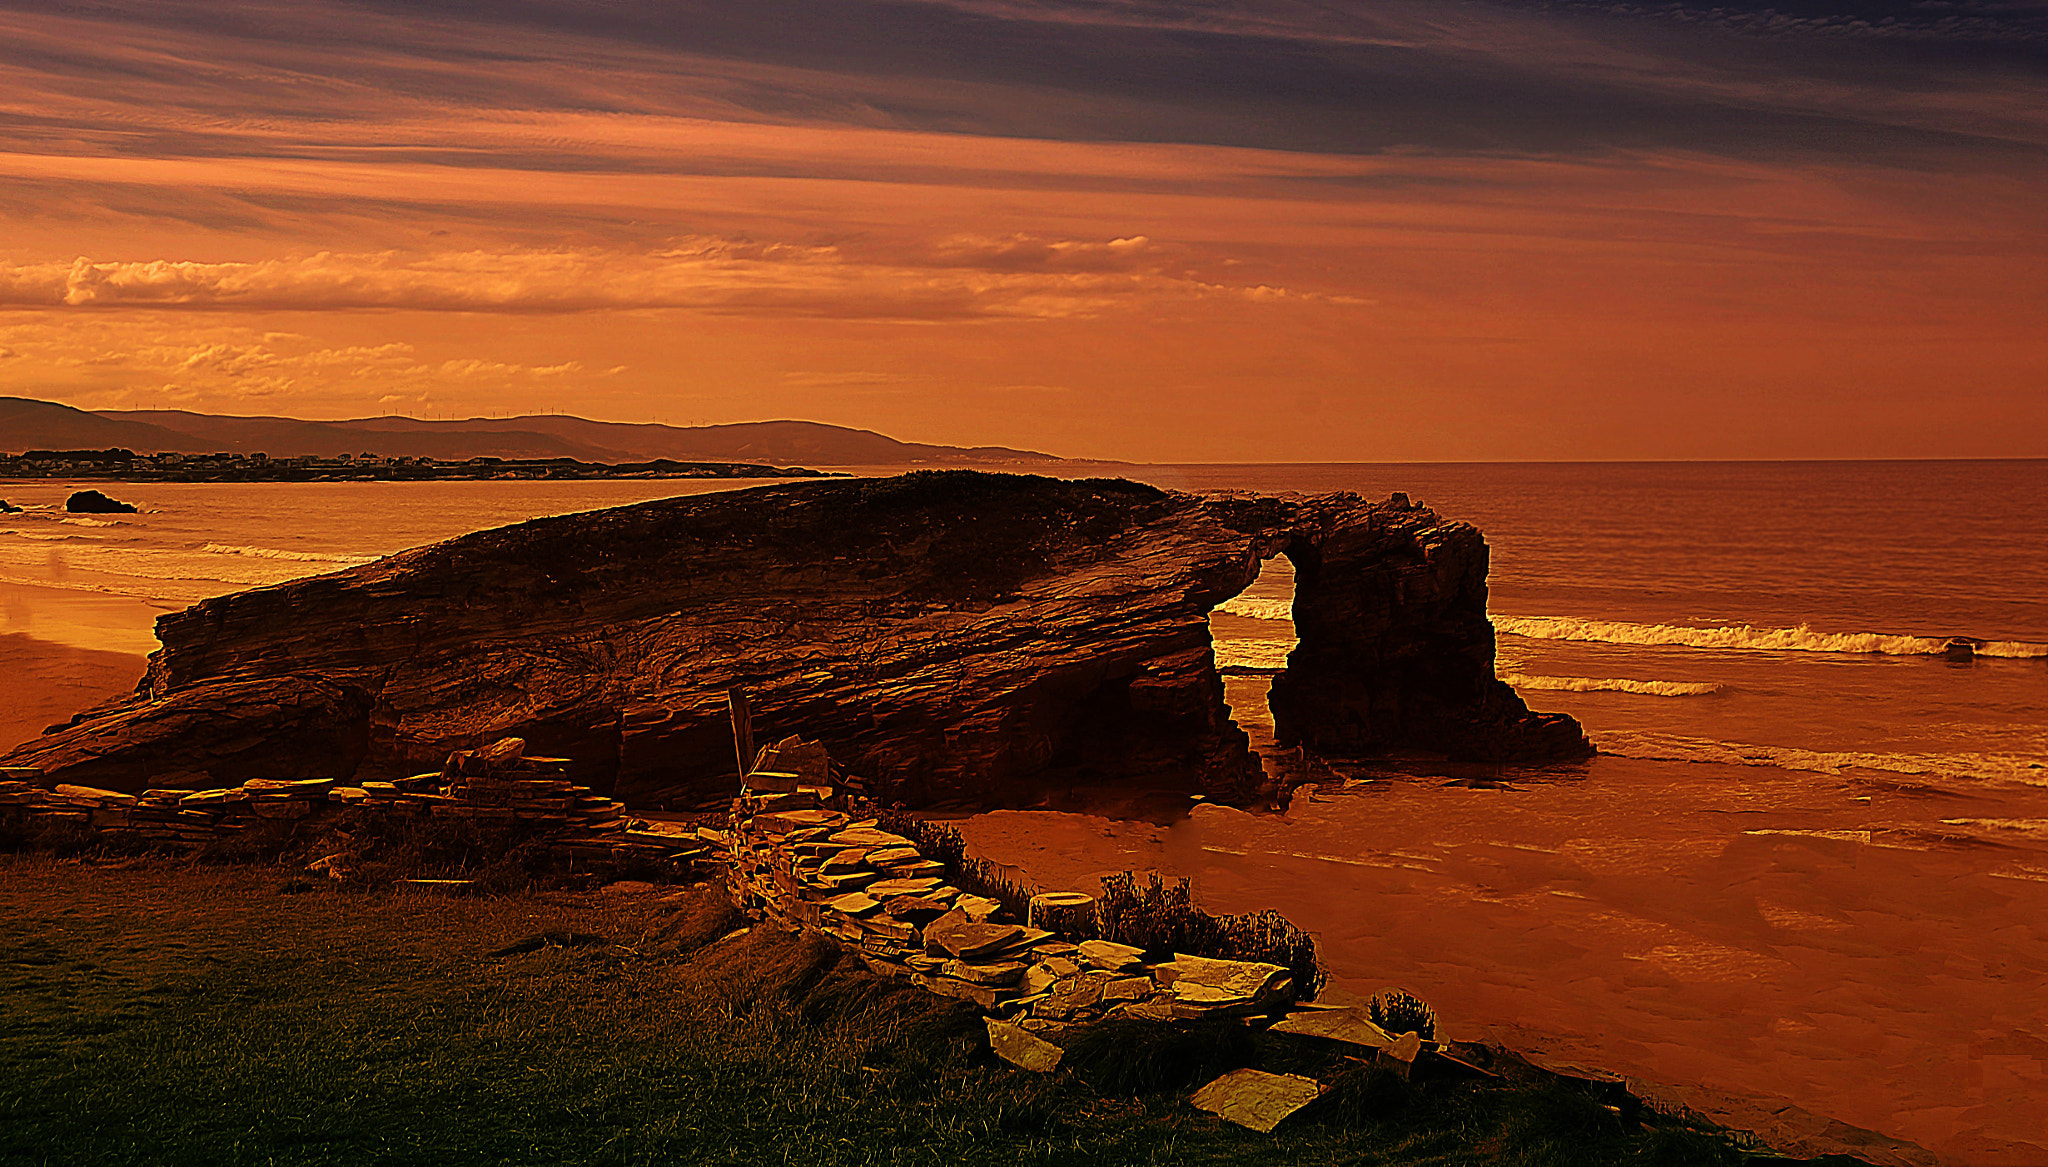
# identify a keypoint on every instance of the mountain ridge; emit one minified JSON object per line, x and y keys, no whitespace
{"x":28,"y":423}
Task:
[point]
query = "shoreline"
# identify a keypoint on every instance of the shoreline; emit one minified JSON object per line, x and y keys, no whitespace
{"x":49,"y":682}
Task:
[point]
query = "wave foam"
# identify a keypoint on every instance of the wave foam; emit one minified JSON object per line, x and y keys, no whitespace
{"x":1744,"y":637}
{"x":1663,"y":747}
{"x":1614,"y":685}
{"x":56,"y":537}
{"x":1254,"y":608}
{"x":1257,"y":654}
{"x":294,"y":556}
{"x":78,"y":522}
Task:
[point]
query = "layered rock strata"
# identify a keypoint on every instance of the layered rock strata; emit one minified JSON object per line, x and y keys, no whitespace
{"x":957,"y":637}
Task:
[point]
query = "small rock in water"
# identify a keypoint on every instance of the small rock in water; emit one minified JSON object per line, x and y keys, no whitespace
{"x":92,"y":502}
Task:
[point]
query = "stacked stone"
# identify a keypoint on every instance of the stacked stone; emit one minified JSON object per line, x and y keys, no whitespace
{"x":799,"y":862}
{"x":174,"y":818}
{"x":18,"y":786}
{"x":161,"y":817}
{"x":796,"y":860}
{"x":1106,"y":979}
{"x":500,"y":784}
{"x":404,"y":796}
{"x":285,"y":798}
{"x":503,"y":783}
{"x":66,"y":805}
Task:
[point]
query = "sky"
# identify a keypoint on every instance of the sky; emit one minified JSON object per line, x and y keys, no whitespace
{"x":1221,"y":230}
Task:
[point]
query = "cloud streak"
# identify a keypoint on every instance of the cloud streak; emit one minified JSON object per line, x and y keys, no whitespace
{"x":1497,"y":228}
{"x":1011,"y":277}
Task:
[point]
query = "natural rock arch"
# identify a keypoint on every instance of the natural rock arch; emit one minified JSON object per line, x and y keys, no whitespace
{"x":954,"y":636}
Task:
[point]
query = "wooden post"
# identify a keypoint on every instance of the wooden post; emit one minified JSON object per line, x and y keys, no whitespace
{"x":742,"y":729}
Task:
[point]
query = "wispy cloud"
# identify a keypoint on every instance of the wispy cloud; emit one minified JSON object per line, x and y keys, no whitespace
{"x":1012,"y":277}
{"x":935,"y":215}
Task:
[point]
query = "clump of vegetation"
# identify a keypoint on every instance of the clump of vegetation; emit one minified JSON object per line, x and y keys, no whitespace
{"x":1399,"y":1011}
{"x":1162,"y":919}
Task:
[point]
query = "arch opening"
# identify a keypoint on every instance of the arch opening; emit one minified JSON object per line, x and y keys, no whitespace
{"x":1252,"y":634}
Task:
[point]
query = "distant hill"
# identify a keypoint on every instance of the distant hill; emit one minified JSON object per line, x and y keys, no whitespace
{"x":43,"y":425}
{"x":26,"y":424}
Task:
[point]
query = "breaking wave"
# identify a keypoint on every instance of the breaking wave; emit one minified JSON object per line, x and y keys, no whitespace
{"x":294,"y":556}
{"x":1665,"y":747}
{"x":1614,"y":685}
{"x":1254,"y":654}
{"x":1254,"y":608}
{"x":1742,"y":636}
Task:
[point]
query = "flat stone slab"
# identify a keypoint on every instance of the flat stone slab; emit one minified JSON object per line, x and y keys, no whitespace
{"x":440,"y":886}
{"x":870,"y":837}
{"x":1351,"y":1026}
{"x":1021,"y":1048}
{"x":1109,"y":954}
{"x":993,"y":975}
{"x":916,"y":909}
{"x":93,"y":794}
{"x":891,"y":888}
{"x":959,"y":937}
{"x":1239,"y":976}
{"x":1256,"y":1099}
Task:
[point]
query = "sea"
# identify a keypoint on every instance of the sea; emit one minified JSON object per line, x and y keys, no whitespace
{"x":1802,"y":889}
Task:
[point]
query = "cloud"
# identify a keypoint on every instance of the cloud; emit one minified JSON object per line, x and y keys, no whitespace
{"x":851,"y":377}
{"x":1021,"y":252}
{"x":1009,"y":277}
{"x":611,"y":88}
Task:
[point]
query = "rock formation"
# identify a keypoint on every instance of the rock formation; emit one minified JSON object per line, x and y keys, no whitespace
{"x":92,"y":502}
{"x":955,"y":637}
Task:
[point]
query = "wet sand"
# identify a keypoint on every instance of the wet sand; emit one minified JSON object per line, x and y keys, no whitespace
{"x":46,"y":683}
{"x":1738,"y":933}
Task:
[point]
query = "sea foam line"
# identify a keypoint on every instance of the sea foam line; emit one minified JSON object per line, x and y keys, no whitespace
{"x":1664,"y":747}
{"x":55,"y":537}
{"x":1254,"y":608}
{"x":1742,"y":636}
{"x":1614,"y":685}
{"x":1257,"y":654}
{"x":295,"y":556}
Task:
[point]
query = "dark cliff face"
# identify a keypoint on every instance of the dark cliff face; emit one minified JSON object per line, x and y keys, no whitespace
{"x":954,"y":637}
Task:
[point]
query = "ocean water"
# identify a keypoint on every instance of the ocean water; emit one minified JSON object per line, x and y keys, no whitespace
{"x":1808,"y":872}
{"x":1790,"y":614}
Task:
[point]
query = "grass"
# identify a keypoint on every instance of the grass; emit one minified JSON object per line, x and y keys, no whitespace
{"x":161,"y":1012}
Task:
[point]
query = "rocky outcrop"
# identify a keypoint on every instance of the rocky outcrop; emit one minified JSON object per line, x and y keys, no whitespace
{"x":954,"y":637}
{"x":92,"y":502}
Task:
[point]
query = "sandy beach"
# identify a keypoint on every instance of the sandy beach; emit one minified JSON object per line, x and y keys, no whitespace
{"x":48,"y":682}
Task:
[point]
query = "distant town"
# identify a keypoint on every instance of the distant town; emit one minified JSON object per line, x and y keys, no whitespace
{"x":128,"y":466}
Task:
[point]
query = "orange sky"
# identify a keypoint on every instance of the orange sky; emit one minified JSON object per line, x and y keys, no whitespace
{"x":1262,"y":231}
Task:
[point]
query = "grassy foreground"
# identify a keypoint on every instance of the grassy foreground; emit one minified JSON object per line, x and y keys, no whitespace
{"x":163,"y":1013}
